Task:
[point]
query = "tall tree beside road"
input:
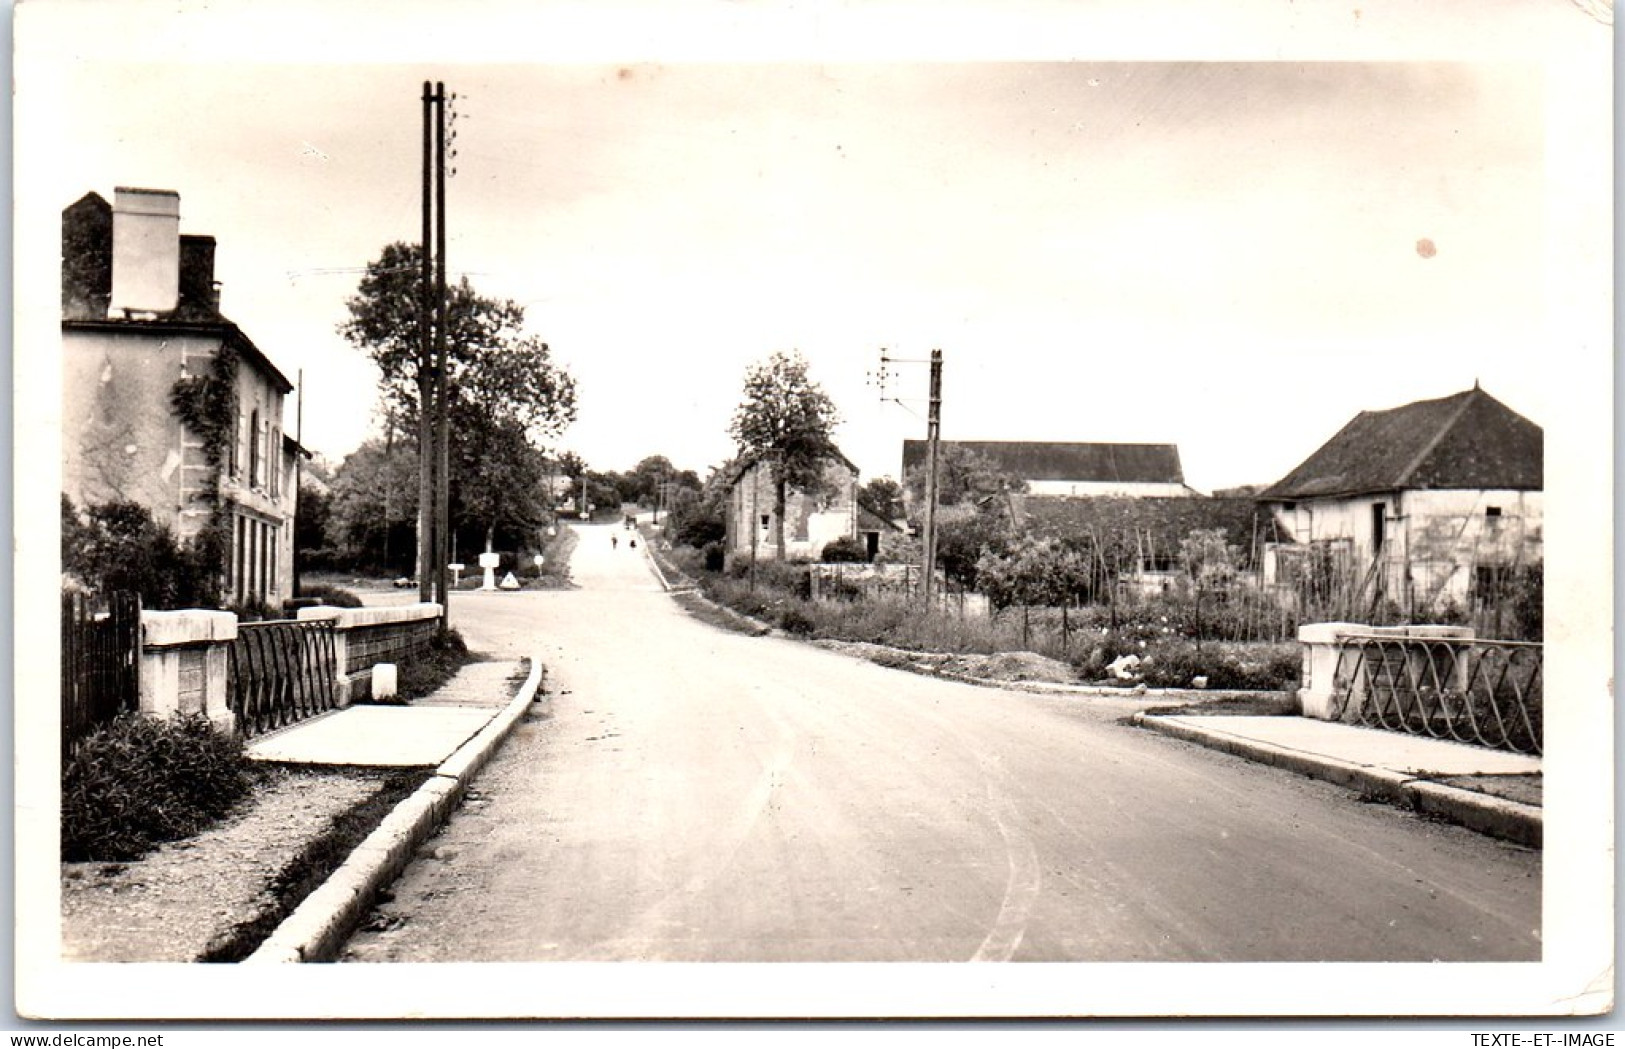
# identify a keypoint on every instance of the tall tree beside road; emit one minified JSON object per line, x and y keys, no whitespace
{"x":785,"y":419}
{"x":506,"y":394}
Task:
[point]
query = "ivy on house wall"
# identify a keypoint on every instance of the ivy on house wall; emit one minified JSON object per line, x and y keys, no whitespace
{"x":207,"y":405}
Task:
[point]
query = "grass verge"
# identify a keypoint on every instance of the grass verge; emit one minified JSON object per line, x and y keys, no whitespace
{"x":717,"y":615}
{"x":314,"y":864}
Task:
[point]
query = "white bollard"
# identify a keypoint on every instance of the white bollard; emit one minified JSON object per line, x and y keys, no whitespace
{"x":384,"y":681}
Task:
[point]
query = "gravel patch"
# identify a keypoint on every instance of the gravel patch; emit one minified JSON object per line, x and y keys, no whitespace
{"x":173,"y":904}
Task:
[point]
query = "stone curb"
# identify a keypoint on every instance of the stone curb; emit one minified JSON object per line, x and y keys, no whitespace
{"x":1497,"y":817}
{"x":654,"y":563}
{"x":318,"y":927}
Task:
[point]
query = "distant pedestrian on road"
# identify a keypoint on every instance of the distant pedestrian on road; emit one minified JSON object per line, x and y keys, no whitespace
{"x":614,"y":541}
{"x":633,"y":543}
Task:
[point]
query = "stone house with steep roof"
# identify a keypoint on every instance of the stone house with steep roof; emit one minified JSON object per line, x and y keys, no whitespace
{"x":1424,"y":505}
{"x":812,"y":520}
{"x":144,"y":343}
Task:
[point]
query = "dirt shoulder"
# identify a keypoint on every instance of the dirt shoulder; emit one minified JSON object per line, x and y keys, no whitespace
{"x":187,"y":898}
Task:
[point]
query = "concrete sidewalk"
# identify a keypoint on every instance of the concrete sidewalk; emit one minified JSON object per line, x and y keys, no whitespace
{"x":1394,"y":767}
{"x":425,"y":732}
{"x":456,"y":730}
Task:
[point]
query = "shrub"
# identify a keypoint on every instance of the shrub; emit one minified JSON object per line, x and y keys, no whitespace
{"x":845,"y":550}
{"x":255,"y":611}
{"x":120,"y":546}
{"x":332,"y":596}
{"x":142,"y":780}
{"x":1263,"y":667}
{"x":434,"y":666}
{"x":795,"y":621}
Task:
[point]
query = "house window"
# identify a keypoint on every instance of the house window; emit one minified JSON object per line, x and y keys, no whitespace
{"x":254,"y":448}
{"x":1491,"y":584}
{"x":239,"y":583}
{"x":274,"y":463}
{"x":1492,"y":511}
{"x":266,"y":560}
{"x":767,"y":520}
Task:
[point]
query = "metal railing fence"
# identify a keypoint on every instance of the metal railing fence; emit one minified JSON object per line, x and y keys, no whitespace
{"x":280,"y":673}
{"x":1487,"y":693}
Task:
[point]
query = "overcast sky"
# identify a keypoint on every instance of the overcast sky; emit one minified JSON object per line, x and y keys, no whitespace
{"x":1231,"y":257}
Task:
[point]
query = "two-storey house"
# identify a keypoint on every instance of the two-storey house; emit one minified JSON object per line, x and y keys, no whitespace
{"x":166,"y":402}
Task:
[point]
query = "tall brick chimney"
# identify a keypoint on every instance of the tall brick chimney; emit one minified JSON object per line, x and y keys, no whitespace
{"x":198,"y":290}
{"x":146,"y":251}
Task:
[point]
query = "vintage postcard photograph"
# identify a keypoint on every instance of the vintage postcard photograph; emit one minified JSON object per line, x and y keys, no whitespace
{"x":726,"y":511}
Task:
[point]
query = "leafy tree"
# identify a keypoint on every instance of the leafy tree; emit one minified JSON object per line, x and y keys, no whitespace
{"x":571,"y":465}
{"x":962,"y":542}
{"x":499,"y":480}
{"x":643,"y":481}
{"x":490,"y":362}
{"x":372,"y":515}
{"x":883,"y":496}
{"x":699,"y":516}
{"x":603,"y":494}
{"x":500,"y":383}
{"x":1209,"y":558}
{"x":963,"y":476}
{"x":1035,"y":571}
{"x":787,"y":420}
{"x":310,"y":523}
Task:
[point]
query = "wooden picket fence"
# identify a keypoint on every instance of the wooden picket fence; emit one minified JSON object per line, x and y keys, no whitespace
{"x":101,"y":663}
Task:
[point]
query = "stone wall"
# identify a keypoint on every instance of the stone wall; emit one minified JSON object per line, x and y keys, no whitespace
{"x":366,"y":637}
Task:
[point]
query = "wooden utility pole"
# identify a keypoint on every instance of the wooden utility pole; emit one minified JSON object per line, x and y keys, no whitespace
{"x":426,"y":381}
{"x":933,"y":434}
{"x":298,"y":478}
{"x":442,"y":547}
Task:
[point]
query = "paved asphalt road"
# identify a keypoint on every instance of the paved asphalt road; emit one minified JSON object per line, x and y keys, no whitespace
{"x":699,"y":795}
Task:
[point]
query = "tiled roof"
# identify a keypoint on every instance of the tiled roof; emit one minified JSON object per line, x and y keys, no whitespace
{"x":1466,"y":440}
{"x":744,"y":462}
{"x":1069,"y":460}
{"x":869,"y":521}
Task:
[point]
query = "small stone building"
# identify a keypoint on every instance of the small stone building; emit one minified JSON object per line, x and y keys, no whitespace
{"x":812,"y":519}
{"x":1421,"y":506}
